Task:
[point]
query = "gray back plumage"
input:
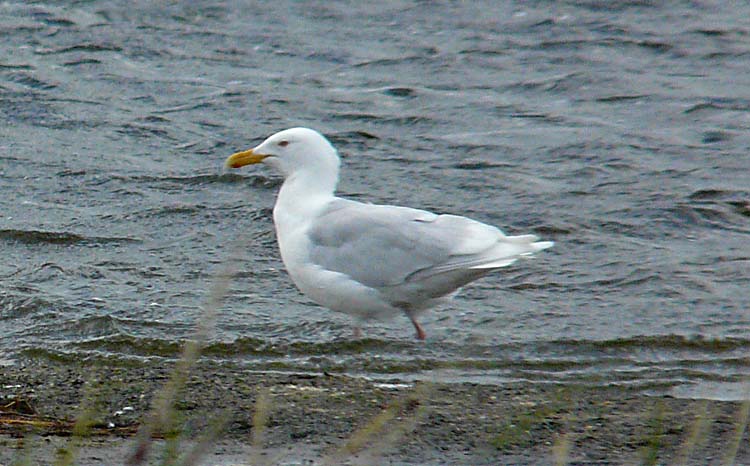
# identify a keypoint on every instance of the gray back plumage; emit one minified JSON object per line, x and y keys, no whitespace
{"x":385,"y":246}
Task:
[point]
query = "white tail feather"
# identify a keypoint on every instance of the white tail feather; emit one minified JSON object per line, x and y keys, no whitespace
{"x":513,"y":248}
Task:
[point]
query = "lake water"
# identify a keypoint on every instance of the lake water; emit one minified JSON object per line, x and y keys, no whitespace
{"x":620,"y":130}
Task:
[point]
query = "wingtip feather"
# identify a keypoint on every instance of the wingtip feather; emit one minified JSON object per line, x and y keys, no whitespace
{"x":541,"y":245}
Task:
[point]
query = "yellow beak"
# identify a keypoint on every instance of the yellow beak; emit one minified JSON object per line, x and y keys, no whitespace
{"x":247,"y":157}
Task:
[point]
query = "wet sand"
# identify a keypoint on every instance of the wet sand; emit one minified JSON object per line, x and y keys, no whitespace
{"x":343,"y":419}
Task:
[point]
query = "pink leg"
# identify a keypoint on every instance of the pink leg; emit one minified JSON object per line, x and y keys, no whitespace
{"x":420,"y":331}
{"x":357,"y":331}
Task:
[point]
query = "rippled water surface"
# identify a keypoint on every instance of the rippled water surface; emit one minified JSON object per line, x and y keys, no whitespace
{"x":617,"y":129}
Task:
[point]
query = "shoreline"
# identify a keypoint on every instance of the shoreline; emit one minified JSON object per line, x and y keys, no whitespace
{"x":311,"y":417}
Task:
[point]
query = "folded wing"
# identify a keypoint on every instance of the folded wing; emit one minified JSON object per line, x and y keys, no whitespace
{"x":386,"y":246}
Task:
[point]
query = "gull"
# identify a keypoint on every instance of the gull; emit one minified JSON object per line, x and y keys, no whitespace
{"x":366,"y":260}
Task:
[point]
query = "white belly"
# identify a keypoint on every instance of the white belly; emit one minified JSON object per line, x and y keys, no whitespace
{"x":333,"y":290}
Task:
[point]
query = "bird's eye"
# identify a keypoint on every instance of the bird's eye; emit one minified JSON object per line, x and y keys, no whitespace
{"x":283,"y":143}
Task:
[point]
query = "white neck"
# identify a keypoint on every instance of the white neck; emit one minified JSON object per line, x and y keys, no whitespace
{"x":302,"y":196}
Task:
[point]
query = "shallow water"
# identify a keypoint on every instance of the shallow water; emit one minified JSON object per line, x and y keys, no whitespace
{"x":617,"y":129}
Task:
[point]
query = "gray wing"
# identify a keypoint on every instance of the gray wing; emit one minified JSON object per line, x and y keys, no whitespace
{"x":381,"y":246}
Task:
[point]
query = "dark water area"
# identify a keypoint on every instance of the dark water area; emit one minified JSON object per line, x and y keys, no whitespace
{"x":617,"y":129}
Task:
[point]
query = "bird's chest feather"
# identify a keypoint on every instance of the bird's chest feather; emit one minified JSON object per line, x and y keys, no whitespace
{"x":294,"y":243}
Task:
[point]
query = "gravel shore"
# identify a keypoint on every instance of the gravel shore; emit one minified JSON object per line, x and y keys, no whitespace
{"x":318,"y":418}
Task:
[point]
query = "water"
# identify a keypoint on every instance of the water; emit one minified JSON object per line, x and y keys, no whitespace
{"x":617,"y":129}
